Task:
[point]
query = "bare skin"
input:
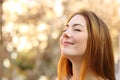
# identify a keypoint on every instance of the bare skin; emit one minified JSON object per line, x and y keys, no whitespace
{"x":73,"y":45}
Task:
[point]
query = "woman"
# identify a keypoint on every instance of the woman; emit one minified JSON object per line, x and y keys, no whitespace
{"x":86,"y":49}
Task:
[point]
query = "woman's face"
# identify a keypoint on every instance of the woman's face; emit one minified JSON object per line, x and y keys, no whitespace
{"x":73,"y":41}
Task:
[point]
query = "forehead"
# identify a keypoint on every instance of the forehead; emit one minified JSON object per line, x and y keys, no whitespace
{"x":77,"y":19}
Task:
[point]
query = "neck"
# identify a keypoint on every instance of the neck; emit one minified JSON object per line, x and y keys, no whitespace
{"x":76,"y":68}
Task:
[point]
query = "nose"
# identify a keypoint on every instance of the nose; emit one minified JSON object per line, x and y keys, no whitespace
{"x":67,"y":33}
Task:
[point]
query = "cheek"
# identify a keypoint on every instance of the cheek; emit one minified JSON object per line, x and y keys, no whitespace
{"x":82,"y":43}
{"x":81,"y":39}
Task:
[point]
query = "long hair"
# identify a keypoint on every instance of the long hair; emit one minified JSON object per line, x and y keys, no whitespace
{"x":99,"y":52}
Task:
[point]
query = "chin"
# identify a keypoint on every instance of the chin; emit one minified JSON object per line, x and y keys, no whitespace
{"x":67,"y":54}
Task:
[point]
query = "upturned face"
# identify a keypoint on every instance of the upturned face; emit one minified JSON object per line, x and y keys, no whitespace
{"x":73,"y":40}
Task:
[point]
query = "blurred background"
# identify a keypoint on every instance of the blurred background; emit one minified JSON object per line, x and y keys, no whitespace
{"x":30,"y":31}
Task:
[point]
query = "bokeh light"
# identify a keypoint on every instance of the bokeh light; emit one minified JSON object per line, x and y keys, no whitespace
{"x":30,"y":34}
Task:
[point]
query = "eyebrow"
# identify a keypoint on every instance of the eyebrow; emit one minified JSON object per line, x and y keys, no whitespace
{"x":75,"y":25}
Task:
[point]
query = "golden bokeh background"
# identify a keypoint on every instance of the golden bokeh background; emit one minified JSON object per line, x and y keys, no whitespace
{"x":30,"y":31}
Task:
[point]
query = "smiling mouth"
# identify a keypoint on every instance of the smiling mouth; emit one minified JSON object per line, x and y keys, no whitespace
{"x":67,"y":43}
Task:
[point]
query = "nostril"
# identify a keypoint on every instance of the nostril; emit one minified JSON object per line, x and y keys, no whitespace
{"x":65,"y":34}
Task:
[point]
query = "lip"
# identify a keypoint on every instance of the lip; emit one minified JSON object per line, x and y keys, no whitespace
{"x":67,"y":43}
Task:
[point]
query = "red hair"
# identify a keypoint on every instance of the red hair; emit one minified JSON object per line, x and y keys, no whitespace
{"x":99,"y":52}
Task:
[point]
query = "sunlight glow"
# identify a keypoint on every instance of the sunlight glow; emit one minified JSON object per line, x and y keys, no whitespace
{"x":41,"y":27}
{"x":42,"y":37}
{"x":13,"y":7}
{"x":8,"y":28}
{"x":58,"y":8}
{"x":43,"y":77}
{"x":107,"y":1}
{"x":30,"y":31}
{"x":10,"y":47}
{"x":14,"y":55}
{"x":118,"y":1}
{"x":23,"y":44}
{"x":15,"y":40}
{"x":119,"y":11}
{"x":23,"y":29}
{"x":6,"y":63}
{"x":55,"y":35}
{"x":30,"y":3}
{"x":34,"y":42}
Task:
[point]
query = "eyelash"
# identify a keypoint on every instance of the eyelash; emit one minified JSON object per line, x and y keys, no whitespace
{"x":74,"y":30}
{"x":77,"y":29}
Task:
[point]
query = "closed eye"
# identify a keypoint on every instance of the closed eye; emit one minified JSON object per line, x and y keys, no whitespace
{"x":77,"y":29}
